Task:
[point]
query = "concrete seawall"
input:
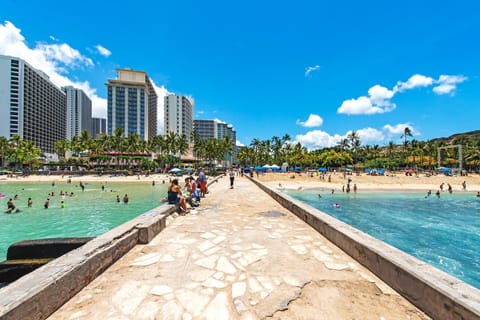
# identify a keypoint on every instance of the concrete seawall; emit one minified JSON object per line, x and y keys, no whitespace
{"x":435,"y":292}
{"x":40,"y":293}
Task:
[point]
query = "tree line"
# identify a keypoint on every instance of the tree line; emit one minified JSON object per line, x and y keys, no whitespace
{"x":119,"y":151}
{"x":350,"y":151}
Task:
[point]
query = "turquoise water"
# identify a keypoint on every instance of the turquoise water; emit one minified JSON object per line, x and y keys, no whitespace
{"x":88,"y":213}
{"x":445,"y":231}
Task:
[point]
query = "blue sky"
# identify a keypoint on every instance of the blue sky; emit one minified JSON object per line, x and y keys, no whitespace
{"x":312,"y":69}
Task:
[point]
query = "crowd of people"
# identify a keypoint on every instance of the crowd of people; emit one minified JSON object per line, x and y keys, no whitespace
{"x":191,"y":193}
{"x":12,"y":208}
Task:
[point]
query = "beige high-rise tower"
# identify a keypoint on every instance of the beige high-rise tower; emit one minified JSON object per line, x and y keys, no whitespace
{"x":132,"y":104}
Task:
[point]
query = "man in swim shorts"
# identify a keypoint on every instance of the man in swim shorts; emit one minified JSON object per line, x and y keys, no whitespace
{"x":203,"y":183}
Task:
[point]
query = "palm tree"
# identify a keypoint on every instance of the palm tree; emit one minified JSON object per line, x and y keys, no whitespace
{"x":255,"y":144}
{"x":276,"y":148}
{"x":116,"y":142}
{"x":30,"y":153}
{"x":407,"y":132}
{"x":76,"y":145}
{"x":15,"y":144}
{"x":4,"y":150}
{"x":246,"y":156}
{"x":354,"y":143}
{"x":227,"y":146}
{"x":132,"y":145}
{"x":61,"y":147}
{"x":85,"y":140}
{"x":343,"y":145}
{"x":181,"y":145}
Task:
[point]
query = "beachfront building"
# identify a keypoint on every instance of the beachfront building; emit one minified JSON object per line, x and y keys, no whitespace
{"x":132,"y":104}
{"x":31,"y":105}
{"x":79,"y":112}
{"x":99,"y":125}
{"x":178,"y":115}
{"x":216,"y":129}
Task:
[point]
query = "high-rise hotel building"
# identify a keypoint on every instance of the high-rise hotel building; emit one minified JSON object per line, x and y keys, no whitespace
{"x":79,"y":112}
{"x":178,"y":115}
{"x":31,"y":105}
{"x":132,"y":104}
{"x":207,"y":129}
{"x":99,"y":125}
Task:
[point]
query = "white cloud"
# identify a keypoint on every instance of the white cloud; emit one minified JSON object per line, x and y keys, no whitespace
{"x":316,"y":139}
{"x":365,"y":105}
{"x":239,"y":144}
{"x":379,"y":97}
{"x":63,"y":54}
{"x":414,"y":81}
{"x":103,"y":51}
{"x":200,"y":112}
{"x":53,"y":38}
{"x":447,"y":84}
{"x":56,"y":59}
{"x":53,"y":60}
{"x":161,"y":93}
{"x":313,"y":120}
{"x":369,"y":135}
{"x":309,"y":70}
{"x":399,"y":129}
{"x":218,"y":120}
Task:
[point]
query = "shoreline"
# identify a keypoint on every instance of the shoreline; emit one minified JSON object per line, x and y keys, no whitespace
{"x":369,"y":183}
{"x":90,"y":178}
{"x":391,"y":183}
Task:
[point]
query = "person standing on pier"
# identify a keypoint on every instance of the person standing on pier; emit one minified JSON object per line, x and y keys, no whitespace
{"x":231,"y":174}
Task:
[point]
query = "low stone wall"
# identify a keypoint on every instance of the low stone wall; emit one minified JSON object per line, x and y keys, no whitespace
{"x":40,"y":293}
{"x":435,"y":292}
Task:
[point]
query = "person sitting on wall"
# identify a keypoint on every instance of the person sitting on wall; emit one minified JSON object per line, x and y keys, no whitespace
{"x":175,"y":196}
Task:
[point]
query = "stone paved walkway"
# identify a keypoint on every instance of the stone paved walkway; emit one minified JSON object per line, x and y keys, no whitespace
{"x":239,"y":256}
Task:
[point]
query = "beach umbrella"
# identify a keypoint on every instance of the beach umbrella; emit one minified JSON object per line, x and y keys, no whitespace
{"x":322,"y":169}
{"x":274,"y":166}
{"x":175,"y":170}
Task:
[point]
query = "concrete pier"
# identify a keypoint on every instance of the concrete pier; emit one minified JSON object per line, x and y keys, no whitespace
{"x":240,"y":255}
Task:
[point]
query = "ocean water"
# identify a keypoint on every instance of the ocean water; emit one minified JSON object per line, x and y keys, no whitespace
{"x":88,"y":213}
{"x":444,"y":232}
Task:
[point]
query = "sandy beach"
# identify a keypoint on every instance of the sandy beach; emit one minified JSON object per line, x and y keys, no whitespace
{"x":90,"y":178}
{"x":392,"y":182}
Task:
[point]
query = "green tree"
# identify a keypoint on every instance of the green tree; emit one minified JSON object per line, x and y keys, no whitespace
{"x":61,"y":147}
{"x":4,"y":150}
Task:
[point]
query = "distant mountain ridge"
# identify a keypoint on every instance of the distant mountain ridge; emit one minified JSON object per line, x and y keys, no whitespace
{"x":475,"y":133}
